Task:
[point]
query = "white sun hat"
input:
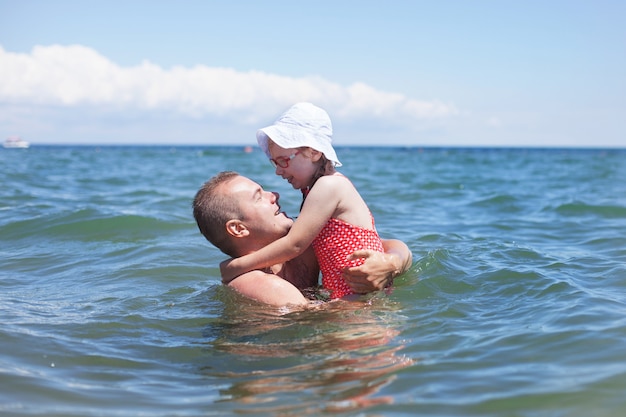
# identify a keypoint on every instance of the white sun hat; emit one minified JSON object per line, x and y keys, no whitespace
{"x":304,"y":124}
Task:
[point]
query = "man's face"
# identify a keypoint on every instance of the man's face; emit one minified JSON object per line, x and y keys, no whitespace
{"x":260,"y":208}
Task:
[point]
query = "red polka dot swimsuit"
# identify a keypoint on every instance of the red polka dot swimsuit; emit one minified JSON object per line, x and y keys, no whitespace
{"x":332,"y":246}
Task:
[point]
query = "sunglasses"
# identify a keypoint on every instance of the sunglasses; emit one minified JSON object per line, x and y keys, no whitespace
{"x":283,"y":161}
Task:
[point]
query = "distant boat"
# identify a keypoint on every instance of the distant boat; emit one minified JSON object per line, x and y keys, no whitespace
{"x":15,"y":142}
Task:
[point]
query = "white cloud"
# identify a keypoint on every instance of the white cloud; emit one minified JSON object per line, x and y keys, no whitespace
{"x":76,"y":76}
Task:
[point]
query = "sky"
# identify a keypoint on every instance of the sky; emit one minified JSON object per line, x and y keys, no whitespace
{"x":533,"y":73}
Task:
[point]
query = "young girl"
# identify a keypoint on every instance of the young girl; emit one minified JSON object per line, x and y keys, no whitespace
{"x":334,"y":217}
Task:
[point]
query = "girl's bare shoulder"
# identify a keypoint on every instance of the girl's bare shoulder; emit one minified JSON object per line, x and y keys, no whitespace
{"x":335,"y":180}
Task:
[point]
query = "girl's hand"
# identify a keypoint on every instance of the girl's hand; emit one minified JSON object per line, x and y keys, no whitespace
{"x":227,"y":271}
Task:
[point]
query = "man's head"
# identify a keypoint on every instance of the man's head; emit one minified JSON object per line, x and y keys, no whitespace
{"x":236,"y":215}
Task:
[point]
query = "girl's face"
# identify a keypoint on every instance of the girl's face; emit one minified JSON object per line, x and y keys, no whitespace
{"x":296,"y":165}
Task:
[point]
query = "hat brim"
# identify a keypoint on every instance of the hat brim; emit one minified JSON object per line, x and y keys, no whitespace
{"x":288,"y":138}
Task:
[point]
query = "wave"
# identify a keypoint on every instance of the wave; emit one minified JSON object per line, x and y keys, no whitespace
{"x":92,"y":225}
{"x":579,"y":208}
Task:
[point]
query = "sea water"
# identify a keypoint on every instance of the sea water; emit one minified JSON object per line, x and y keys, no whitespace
{"x":515,"y":305}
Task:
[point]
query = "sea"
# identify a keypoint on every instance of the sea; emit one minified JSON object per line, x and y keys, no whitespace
{"x":515,"y":304}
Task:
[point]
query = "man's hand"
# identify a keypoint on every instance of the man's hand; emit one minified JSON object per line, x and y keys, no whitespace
{"x":379,"y":269}
{"x":375,"y":274}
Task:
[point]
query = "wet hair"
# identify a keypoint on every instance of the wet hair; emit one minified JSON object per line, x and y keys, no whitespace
{"x":213,"y":207}
{"x":324,"y":166}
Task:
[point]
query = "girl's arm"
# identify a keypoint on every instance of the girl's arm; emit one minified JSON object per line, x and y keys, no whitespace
{"x":319,"y":207}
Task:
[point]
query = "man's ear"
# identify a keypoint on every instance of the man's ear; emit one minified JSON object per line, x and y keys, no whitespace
{"x":237,"y":228}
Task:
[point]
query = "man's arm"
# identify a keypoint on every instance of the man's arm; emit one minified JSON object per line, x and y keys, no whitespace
{"x":379,"y":269}
{"x":268,"y":288}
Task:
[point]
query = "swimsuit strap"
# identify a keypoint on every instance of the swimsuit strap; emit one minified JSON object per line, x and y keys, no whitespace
{"x":305,"y":192}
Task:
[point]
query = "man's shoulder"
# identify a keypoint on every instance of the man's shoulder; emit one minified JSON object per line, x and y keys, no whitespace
{"x":267,"y":288}
{"x":249,"y":278}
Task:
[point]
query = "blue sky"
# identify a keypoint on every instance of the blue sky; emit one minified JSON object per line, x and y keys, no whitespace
{"x":415,"y":73}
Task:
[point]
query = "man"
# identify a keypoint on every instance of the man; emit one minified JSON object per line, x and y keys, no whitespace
{"x":236,"y":215}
